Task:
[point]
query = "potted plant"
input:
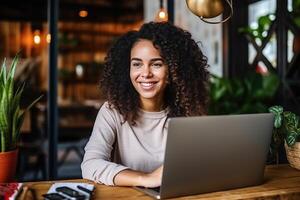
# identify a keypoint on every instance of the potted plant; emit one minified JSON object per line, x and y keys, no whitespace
{"x":11,"y":119}
{"x":287,"y":129}
{"x":252,"y":93}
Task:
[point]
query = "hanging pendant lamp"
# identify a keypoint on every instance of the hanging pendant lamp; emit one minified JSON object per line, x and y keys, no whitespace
{"x":162,"y":14}
{"x":206,"y":9}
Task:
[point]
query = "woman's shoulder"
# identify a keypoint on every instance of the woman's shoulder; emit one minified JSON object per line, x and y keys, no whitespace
{"x":109,"y":110}
{"x":107,"y":120}
{"x":107,"y":107}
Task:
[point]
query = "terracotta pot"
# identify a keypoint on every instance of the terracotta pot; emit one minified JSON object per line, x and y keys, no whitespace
{"x":8,"y":164}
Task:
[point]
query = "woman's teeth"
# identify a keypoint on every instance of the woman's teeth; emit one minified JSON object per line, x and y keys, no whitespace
{"x":147,"y":84}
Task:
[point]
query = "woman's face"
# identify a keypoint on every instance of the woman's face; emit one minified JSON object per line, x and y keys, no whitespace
{"x":148,"y":72}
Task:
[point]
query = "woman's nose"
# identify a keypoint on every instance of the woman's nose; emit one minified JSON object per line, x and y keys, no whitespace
{"x":146,"y":71}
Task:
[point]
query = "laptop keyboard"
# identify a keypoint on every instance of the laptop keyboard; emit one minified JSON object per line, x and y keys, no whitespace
{"x":156,"y":189}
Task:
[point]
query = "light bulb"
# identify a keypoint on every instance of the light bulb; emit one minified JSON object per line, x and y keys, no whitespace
{"x":48,"y":38}
{"x":161,"y":15}
{"x":79,"y":70}
{"x":36,"y":37}
{"x":83,"y":13}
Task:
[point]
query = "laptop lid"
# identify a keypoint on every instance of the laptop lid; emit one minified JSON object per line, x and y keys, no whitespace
{"x":213,"y":153}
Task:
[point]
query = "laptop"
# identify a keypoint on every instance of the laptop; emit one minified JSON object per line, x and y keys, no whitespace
{"x":213,"y":153}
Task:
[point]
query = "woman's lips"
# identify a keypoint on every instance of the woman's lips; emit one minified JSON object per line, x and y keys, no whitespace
{"x":147,"y":85}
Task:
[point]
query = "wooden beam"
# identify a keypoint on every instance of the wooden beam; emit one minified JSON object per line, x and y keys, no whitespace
{"x":98,"y":29}
{"x":35,"y":10}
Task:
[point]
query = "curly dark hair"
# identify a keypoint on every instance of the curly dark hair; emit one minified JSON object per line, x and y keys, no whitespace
{"x":186,"y":93}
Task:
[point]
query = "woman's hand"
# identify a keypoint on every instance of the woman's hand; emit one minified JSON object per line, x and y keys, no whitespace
{"x":134,"y":178}
{"x":153,"y":179}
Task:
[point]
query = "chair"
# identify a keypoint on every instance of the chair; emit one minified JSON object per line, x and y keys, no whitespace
{"x":75,"y":126}
{"x":32,"y":156}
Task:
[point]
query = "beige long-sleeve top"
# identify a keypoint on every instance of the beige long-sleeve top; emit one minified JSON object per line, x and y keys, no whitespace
{"x":140,"y":147}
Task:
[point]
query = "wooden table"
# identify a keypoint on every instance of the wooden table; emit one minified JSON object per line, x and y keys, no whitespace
{"x":281,"y":182}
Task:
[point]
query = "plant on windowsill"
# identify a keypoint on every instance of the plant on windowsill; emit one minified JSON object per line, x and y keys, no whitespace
{"x":11,"y":119}
{"x":287,"y":129}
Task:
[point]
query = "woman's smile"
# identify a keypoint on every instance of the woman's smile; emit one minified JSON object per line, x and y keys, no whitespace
{"x":148,"y":85}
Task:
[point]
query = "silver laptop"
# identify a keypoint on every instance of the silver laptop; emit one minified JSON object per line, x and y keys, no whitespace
{"x":213,"y":153}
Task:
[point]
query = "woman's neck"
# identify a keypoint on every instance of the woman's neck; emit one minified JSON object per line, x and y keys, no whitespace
{"x":151,"y":105}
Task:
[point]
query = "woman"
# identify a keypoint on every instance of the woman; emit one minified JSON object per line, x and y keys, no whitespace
{"x":149,"y":75}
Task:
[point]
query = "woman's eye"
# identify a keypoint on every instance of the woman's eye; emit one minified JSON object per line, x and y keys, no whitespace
{"x":157,"y":65}
{"x":136,"y":64}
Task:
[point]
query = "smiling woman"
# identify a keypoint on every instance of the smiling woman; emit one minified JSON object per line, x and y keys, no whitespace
{"x":148,"y":73}
{"x":149,"y":76}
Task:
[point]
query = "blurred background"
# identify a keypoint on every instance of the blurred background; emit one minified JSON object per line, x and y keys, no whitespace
{"x":254,"y":61}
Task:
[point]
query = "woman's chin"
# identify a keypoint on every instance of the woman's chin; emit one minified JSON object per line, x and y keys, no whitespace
{"x":148,"y":96}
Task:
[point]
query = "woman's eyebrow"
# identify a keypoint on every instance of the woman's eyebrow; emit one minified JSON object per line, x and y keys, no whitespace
{"x":136,"y":59}
{"x":151,"y":60}
{"x":157,"y":59}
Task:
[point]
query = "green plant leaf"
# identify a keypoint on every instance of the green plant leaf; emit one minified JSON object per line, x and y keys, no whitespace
{"x":17,"y":97}
{"x":291,"y":138}
{"x":291,"y":119}
{"x":264,"y":22}
{"x":12,"y":70}
{"x":2,"y":78}
{"x":4,"y":130}
{"x":217,"y":88}
{"x":16,"y":112}
{"x":34,"y":102}
{"x":276,"y":109}
{"x":277,"y":121}
{"x":270,"y":84}
{"x":238,"y":89}
{"x":296,"y":5}
{"x":218,"y":94}
{"x":20,"y":119}
{"x":10,"y":78}
{"x":3,"y":73}
{"x":14,"y":126}
{"x":245,"y":30}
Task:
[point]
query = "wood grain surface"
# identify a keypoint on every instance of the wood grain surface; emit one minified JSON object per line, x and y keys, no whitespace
{"x":281,"y":182}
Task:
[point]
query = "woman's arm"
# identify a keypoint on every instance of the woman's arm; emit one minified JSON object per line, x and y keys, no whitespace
{"x":96,"y":164}
{"x":134,"y":178}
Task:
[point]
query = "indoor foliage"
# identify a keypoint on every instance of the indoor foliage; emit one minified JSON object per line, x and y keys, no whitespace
{"x":11,"y":116}
{"x":253,"y":93}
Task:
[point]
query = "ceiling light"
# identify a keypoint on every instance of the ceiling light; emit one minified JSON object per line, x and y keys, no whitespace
{"x":206,"y":9}
{"x":83,"y":13}
{"x":48,"y":38}
{"x":36,"y":37}
{"x":162,"y":14}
